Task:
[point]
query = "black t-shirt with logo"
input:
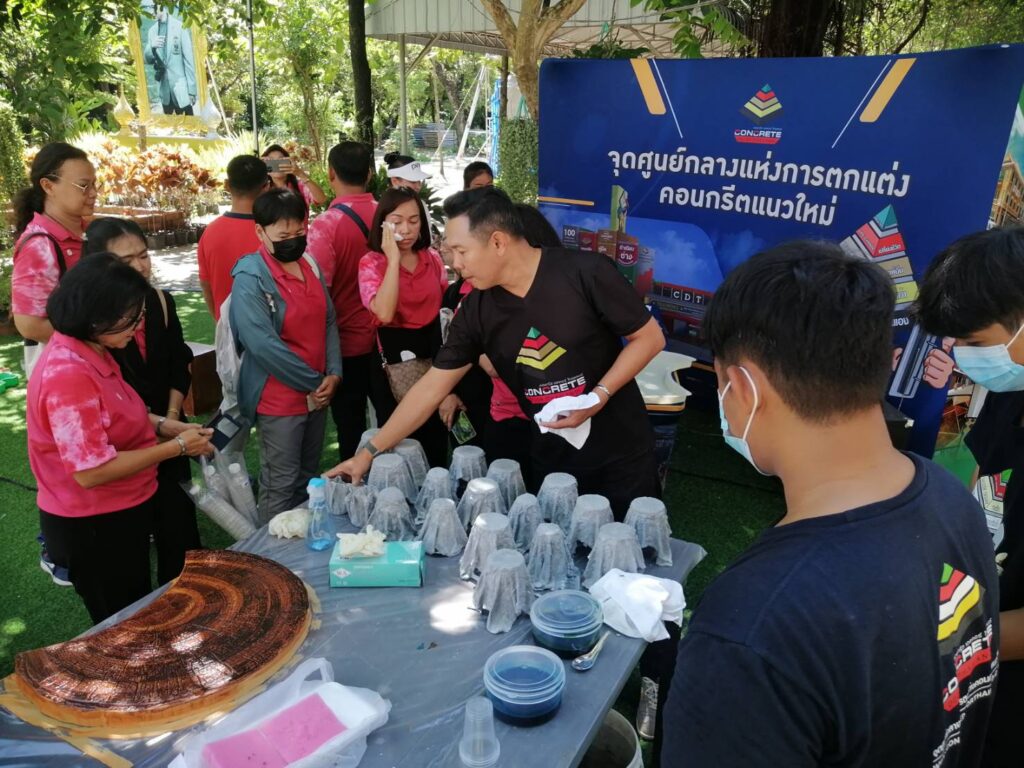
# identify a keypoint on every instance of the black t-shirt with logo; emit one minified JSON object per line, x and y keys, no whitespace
{"x":557,"y":341}
{"x":865,"y":638}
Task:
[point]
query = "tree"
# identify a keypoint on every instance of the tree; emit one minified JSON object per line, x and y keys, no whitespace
{"x":361,"y":78}
{"x":538,"y":23}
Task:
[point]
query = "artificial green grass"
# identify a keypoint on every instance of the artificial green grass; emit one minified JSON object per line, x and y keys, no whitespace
{"x":714,"y":499}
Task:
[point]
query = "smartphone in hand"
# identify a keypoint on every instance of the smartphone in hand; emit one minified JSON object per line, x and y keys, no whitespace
{"x":224,"y":430}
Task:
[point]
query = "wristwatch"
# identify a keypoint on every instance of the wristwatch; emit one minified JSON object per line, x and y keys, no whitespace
{"x":371,"y":449}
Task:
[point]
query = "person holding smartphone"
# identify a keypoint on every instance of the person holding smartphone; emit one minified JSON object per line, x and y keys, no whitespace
{"x":286,"y":173}
{"x":156,"y":363}
{"x":282,"y":320}
{"x":92,"y":444}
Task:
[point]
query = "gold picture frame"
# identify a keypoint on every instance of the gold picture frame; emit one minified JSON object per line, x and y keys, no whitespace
{"x":182,"y":42}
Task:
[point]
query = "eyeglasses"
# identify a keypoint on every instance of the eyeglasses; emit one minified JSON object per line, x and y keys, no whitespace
{"x":92,"y":186}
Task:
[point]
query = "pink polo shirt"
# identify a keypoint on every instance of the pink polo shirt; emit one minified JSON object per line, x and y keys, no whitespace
{"x":80,"y":414}
{"x":304,"y":331}
{"x":419,"y":292}
{"x":36,"y":271}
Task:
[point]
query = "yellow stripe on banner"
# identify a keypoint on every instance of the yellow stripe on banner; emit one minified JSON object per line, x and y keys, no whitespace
{"x":563,"y":200}
{"x":886,"y":90}
{"x":648,"y":86}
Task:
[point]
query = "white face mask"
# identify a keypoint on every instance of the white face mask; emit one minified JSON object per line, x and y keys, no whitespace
{"x":739,"y":444}
{"x":992,"y":367}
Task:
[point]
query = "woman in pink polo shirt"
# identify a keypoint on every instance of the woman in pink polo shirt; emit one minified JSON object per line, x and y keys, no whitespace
{"x":401,"y":282}
{"x":92,"y":445}
{"x":48,"y":225}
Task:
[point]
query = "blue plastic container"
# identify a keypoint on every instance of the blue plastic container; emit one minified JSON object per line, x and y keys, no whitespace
{"x":567,"y":622}
{"x":524,"y":683}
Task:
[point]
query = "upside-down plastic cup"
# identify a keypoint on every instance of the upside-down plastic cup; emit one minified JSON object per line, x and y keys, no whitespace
{"x":479,"y":747}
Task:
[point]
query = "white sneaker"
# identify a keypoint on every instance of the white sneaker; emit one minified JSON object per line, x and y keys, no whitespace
{"x":647,"y":710}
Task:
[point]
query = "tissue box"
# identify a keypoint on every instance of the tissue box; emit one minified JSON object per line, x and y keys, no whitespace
{"x":401,"y":565}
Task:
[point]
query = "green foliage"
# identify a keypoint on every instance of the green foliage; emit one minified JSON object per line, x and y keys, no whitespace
{"x":12,"y":150}
{"x":609,"y":47}
{"x":6,"y":267}
{"x":517,"y":159}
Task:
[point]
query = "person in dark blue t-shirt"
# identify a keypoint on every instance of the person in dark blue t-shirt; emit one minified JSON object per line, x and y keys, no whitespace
{"x":862,"y":630}
{"x":974,"y":291}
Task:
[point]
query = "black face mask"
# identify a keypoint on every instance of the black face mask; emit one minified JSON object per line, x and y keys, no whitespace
{"x":289,"y":250}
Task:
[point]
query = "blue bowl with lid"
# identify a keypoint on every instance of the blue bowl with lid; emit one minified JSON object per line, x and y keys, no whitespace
{"x":524,"y":683}
{"x":567,"y":622}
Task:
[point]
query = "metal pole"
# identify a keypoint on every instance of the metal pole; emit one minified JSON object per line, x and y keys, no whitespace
{"x":472,"y":114}
{"x":252,"y":78}
{"x":403,"y":117}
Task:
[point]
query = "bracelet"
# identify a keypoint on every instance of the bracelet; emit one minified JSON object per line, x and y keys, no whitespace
{"x":604,"y":389}
{"x":181,"y":442}
{"x":175,"y":411}
{"x":371,"y":449}
{"x":160,"y":423}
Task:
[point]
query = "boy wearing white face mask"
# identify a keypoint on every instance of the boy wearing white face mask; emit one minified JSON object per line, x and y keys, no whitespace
{"x":974,"y":291}
{"x":862,"y":629}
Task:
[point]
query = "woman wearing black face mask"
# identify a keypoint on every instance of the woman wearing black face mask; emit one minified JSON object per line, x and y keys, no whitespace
{"x":282,"y":317}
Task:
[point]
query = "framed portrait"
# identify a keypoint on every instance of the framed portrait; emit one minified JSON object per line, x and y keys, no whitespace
{"x":170,"y":67}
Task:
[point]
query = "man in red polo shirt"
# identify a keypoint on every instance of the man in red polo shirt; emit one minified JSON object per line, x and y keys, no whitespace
{"x":233,"y":235}
{"x":337,"y":240}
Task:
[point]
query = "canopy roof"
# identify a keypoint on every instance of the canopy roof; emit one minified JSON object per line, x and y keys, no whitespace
{"x":466,"y":25}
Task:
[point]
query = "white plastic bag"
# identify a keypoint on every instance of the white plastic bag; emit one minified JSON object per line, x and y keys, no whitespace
{"x":364,"y":712}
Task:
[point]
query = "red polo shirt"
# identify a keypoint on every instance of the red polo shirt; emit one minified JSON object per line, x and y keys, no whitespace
{"x":228,"y":238}
{"x":337,"y":244}
{"x":304,"y":331}
{"x":80,"y":414}
{"x":36,"y":271}
{"x":419,"y":292}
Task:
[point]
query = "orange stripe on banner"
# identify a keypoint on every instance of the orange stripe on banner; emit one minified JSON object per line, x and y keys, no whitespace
{"x":648,"y":86}
{"x":886,"y":90}
{"x":563,"y":200}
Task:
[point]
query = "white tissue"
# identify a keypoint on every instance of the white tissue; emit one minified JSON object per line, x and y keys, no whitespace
{"x":289,"y":525}
{"x":637,"y":605}
{"x":560,"y":406}
{"x":369,"y":543}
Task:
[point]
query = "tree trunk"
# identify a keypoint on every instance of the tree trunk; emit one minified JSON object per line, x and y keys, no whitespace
{"x":503,"y":94}
{"x":360,"y":71}
{"x":795,"y":28}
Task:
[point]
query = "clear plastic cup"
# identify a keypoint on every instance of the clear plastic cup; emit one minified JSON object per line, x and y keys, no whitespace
{"x":479,"y":747}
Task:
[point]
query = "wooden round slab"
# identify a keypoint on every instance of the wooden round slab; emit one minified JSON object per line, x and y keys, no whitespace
{"x":225,"y":625}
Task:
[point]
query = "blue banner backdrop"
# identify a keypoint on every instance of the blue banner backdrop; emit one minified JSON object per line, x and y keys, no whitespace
{"x":682,"y":169}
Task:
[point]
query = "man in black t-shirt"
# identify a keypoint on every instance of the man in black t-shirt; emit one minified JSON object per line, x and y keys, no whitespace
{"x":551,"y":321}
{"x":974,"y":291}
{"x":862,"y":630}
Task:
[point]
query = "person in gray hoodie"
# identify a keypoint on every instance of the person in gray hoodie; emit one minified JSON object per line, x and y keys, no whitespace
{"x":283,"y":324}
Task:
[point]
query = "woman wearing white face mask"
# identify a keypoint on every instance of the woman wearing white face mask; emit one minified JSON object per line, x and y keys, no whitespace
{"x":156,"y":364}
{"x":974,"y":291}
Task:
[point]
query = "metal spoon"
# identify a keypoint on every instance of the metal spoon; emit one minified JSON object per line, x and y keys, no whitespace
{"x":587,"y":660}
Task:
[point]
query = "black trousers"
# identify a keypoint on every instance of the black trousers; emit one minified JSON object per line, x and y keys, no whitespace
{"x":362,"y":379}
{"x":619,"y":481}
{"x":107,"y":556}
{"x":174,"y":520}
{"x":510,"y":439}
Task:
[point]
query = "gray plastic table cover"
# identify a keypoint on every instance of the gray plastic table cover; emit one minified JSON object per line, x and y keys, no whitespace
{"x":424,"y":649}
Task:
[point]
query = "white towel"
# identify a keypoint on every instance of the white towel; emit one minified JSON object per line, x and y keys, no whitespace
{"x":576,"y":436}
{"x":636,"y":605}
